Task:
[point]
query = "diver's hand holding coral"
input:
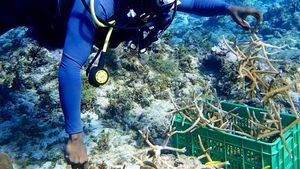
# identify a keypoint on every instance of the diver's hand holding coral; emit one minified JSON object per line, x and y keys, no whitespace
{"x":239,"y":15}
{"x":76,"y":152}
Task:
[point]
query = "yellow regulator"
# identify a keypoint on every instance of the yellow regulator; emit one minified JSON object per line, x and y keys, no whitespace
{"x":96,"y":73}
{"x":102,"y":76}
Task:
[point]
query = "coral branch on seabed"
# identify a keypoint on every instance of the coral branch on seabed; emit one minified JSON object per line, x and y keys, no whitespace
{"x":284,"y":88}
{"x":263,"y":81}
{"x":256,"y":68}
{"x":260,"y":129}
{"x":151,"y":157}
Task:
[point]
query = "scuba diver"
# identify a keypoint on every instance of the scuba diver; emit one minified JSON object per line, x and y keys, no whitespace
{"x":104,"y":23}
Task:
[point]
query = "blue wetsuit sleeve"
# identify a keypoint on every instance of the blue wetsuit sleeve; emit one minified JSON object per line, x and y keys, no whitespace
{"x":78,"y":44}
{"x":204,"y":7}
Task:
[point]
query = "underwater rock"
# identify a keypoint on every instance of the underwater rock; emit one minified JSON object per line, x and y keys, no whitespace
{"x":153,"y":117}
{"x":5,"y":161}
{"x":211,"y":63}
{"x":219,"y":58}
{"x":222,"y":52}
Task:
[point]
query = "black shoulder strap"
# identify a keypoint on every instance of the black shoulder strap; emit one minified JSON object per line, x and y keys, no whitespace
{"x":86,"y":6}
{"x":65,"y":7}
{"x":143,"y":27}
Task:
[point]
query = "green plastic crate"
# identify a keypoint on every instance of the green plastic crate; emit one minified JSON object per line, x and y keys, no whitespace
{"x":240,"y":151}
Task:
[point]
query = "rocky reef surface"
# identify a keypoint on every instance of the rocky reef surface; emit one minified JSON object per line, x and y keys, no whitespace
{"x":137,"y":94}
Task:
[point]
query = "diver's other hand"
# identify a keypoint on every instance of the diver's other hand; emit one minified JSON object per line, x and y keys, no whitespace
{"x":76,"y":152}
{"x":239,"y":15}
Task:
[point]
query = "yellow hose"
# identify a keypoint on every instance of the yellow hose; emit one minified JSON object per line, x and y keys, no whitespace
{"x":93,"y":13}
{"x":100,"y":24}
{"x":106,"y":42}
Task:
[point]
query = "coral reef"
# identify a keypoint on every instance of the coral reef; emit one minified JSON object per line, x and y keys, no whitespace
{"x":137,"y":97}
{"x":252,"y":72}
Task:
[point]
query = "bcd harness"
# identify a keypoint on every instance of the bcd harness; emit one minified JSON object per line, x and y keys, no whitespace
{"x":150,"y":19}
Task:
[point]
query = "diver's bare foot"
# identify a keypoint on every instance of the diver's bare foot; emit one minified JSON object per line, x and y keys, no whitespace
{"x":76,"y":151}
